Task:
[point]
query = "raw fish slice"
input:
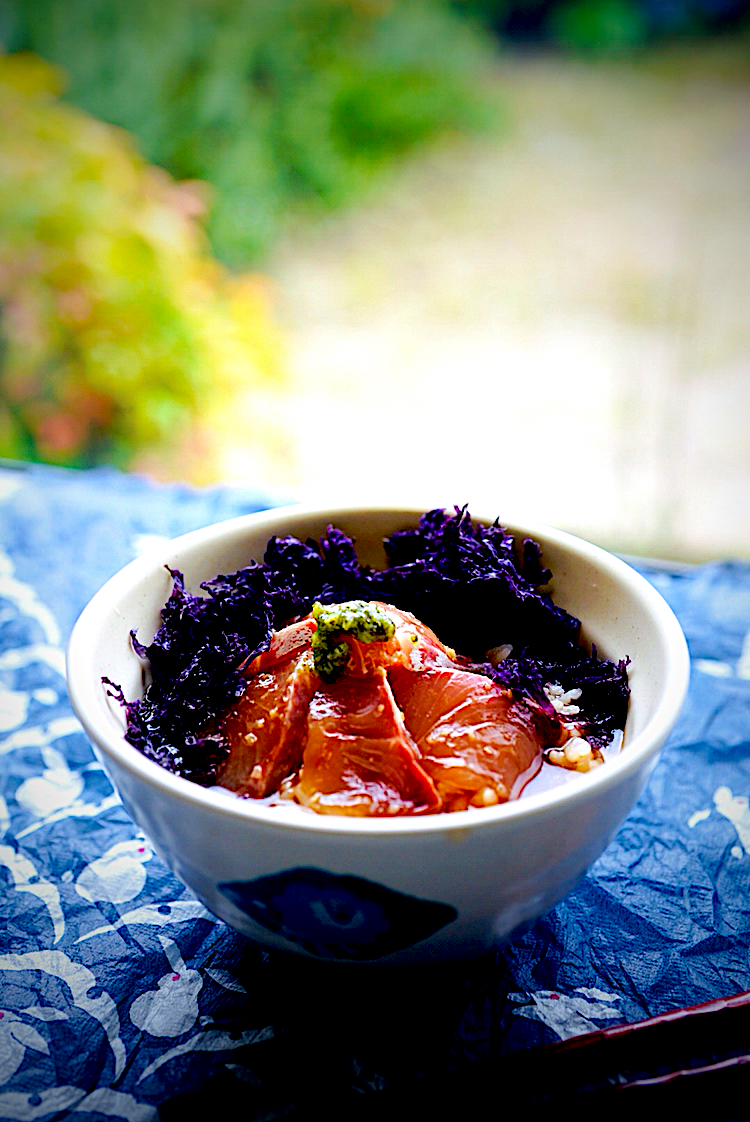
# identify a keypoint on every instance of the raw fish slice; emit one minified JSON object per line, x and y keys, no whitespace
{"x":266,"y":730}
{"x":475,"y":740}
{"x":288,"y":641}
{"x":359,"y":759}
{"x":414,"y":645}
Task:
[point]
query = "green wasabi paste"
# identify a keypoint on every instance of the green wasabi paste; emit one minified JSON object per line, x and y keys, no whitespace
{"x":358,"y":618}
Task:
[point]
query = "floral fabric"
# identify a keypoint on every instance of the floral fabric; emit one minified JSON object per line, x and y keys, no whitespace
{"x":122,"y":997}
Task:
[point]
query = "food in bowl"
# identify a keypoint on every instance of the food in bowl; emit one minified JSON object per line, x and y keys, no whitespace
{"x":397,"y":889}
{"x":448,"y":681}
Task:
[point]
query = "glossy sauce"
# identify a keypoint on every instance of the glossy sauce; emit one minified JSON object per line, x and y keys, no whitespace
{"x":544,"y":776}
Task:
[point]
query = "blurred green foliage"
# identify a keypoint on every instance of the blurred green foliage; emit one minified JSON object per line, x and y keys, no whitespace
{"x":119,"y":330}
{"x":605,"y":26}
{"x":276,"y":103}
{"x":610,"y":25}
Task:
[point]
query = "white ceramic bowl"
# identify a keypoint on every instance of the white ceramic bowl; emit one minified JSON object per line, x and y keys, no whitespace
{"x":405,"y":889}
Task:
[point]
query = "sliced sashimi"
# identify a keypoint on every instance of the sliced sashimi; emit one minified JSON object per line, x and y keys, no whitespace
{"x":285,"y":643}
{"x":413,"y":645}
{"x":401,"y":727}
{"x":359,"y":759}
{"x":475,"y":741}
{"x":266,"y":730}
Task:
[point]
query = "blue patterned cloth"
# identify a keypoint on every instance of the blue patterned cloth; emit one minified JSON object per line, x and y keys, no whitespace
{"x":121,"y":997}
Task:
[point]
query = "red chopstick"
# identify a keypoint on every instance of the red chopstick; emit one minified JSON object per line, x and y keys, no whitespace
{"x":719,"y":1005}
{"x":670,"y":1053}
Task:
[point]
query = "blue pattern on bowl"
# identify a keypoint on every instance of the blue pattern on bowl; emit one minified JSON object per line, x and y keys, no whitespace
{"x":337,"y":916}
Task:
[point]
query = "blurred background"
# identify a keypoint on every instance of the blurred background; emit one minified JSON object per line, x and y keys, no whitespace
{"x":492,"y":252}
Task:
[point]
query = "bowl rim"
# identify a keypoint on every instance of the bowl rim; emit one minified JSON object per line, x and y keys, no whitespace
{"x":82,"y":680}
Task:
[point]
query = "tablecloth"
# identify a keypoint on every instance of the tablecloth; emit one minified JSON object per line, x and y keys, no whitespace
{"x":121,"y":997}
